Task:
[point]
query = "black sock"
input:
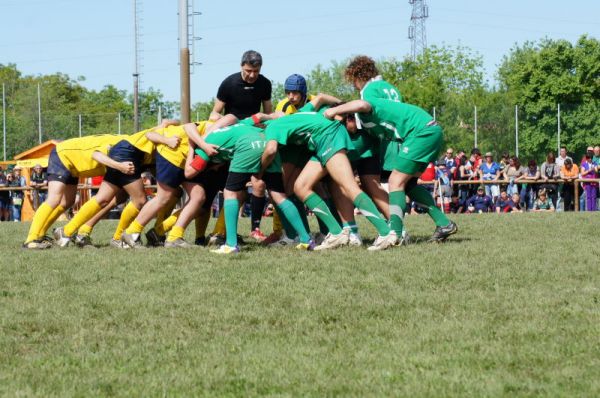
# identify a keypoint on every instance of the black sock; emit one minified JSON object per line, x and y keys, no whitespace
{"x":258,"y":207}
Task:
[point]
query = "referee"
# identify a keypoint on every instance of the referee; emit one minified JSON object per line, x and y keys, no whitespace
{"x":242,"y":95}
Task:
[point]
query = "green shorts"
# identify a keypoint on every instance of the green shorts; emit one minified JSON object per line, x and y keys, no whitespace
{"x":365,"y":146}
{"x":329,"y":144}
{"x":415,"y":153}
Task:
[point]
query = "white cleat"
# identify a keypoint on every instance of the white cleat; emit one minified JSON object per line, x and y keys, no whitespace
{"x":284,"y":241}
{"x":383,"y":242}
{"x":60,"y":239}
{"x":333,"y":241}
{"x":354,"y":239}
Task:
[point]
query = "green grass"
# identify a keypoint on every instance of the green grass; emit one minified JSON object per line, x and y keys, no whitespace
{"x":509,"y":307}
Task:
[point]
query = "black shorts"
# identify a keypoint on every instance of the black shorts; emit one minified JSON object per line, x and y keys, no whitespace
{"x":237,"y":181}
{"x":274,"y":182}
{"x":213,"y":181}
{"x":57,"y":170}
{"x":123,"y":151}
{"x":367,"y":166}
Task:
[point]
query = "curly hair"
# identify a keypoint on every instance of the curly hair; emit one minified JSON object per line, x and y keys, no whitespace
{"x":362,"y":68}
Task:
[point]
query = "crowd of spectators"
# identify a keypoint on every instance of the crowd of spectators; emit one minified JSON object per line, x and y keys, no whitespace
{"x":479,"y":184}
{"x":11,"y":201}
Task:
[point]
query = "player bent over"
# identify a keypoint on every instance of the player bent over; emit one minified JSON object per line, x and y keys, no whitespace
{"x":242,"y":144}
{"x":329,"y":141}
{"x":71,"y":159}
{"x":418,"y":139}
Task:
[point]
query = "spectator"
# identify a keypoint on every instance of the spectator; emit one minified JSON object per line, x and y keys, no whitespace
{"x":490,"y":171}
{"x":17,"y":196}
{"x":480,"y":202}
{"x":504,"y":204}
{"x":528,"y":191}
{"x":543,"y":203}
{"x":550,"y":171}
{"x":512,"y":173}
{"x":459,"y":160}
{"x":457,"y":206}
{"x":428,"y":177}
{"x":450,"y":162}
{"x":516,"y":203}
{"x":473,"y":163}
{"x":596,"y":158}
{"x":38,"y":181}
{"x":562,"y":156}
{"x":4,"y":197}
{"x":442,"y":181}
{"x":588,"y":171}
{"x":569,"y":172}
{"x":465,"y":173}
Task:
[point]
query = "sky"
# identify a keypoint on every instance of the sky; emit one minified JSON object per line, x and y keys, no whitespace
{"x":95,"y":38}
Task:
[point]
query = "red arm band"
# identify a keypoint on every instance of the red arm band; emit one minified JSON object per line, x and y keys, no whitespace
{"x":198,"y":163}
{"x":255,"y":119}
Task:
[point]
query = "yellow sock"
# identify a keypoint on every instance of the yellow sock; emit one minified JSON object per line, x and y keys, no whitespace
{"x":176,"y":232}
{"x":85,"y":230}
{"x":201,"y":223}
{"x":163,"y":214}
{"x":87,"y":211}
{"x":39,"y":219}
{"x":127,"y":219}
{"x":58,"y":210}
{"x":277,"y":226}
{"x":220,"y":225}
{"x":168,"y":223}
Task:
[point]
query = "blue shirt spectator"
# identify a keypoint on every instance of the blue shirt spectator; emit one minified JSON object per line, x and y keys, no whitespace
{"x":480,"y":202}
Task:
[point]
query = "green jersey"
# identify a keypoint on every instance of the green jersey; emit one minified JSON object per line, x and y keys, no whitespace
{"x":240,"y":144}
{"x":376,"y":88}
{"x":398,"y":119}
{"x":304,"y":128}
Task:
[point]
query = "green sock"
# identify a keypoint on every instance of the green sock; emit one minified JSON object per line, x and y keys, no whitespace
{"x":301,"y":210}
{"x":369,"y":210}
{"x":424,"y":198}
{"x":290,"y":232}
{"x":322,"y":227}
{"x":351,"y":225}
{"x":397,"y":210}
{"x":317,"y":206}
{"x":288,"y":212}
{"x":231,"y":207}
{"x":329,"y":202}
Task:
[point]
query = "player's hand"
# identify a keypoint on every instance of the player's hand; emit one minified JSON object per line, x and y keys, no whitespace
{"x":210,"y":149}
{"x":329,"y":114}
{"x":126,"y":168}
{"x":173,"y":142}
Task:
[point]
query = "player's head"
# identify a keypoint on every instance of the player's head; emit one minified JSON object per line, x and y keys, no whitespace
{"x":295,"y":89}
{"x":349,"y":120}
{"x":251,"y":64}
{"x":360,"y":70}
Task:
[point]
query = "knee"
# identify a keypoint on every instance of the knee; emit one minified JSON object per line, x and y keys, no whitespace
{"x":301,"y":189}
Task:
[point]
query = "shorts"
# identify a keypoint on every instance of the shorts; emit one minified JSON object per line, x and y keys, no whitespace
{"x":123,"y":151}
{"x":416,"y":152}
{"x":274,"y":182}
{"x":237,"y":181}
{"x":330,"y":144}
{"x":58,"y":172}
{"x":295,"y":154}
{"x":213,"y":181}
{"x":4,"y":202}
{"x":167,"y":173}
{"x":367,"y":166}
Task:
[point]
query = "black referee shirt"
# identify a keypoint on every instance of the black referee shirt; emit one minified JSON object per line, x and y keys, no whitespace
{"x":243,"y":99}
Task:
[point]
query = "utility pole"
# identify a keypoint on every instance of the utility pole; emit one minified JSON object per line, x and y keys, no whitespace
{"x":517,"y":130}
{"x":4,"y":120}
{"x":416,"y":30}
{"x":558,"y":138}
{"x":475,"y":110}
{"x":184,"y":61}
{"x":39,"y":113}
{"x":80,"y":125}
{"x":136,"y":74}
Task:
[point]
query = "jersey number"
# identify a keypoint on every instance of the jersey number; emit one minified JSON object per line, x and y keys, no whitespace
{"x":392,"y":94}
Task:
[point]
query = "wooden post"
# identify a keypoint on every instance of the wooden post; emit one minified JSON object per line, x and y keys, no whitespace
{"x":576,"y":184}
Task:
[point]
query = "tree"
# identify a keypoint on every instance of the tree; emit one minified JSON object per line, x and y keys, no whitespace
{"x":542,"y":75}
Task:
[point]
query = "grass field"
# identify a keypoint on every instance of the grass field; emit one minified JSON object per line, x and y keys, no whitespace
{"x":509,"y":307}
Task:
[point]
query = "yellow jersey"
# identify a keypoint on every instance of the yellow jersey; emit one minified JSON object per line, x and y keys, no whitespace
{"x":141,"y":142}
{"x":76,"y":154}
{"x":178,"y":155}
{"x":286,"y":107}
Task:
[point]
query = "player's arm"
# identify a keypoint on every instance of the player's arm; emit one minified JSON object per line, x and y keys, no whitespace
{"x":123,"y":167}
{"x":267,"y":106}
{"x":168,"y":122}
{"x":195,"y":138}
{"x":324,"y":99}
{"x":217,"y":110}
{"x":225,"y":121}
{"x":194,"y":164}
{"x":356,"y":106}
{"x":268,"y":155}
{"x":171,"y":142}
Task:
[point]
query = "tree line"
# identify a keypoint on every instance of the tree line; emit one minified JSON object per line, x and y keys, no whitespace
{"x":446,"y":80}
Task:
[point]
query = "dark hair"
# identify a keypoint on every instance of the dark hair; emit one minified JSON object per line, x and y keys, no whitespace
{"x":532,"y":163}
{"x":505,"y":155}
{"x":252,"y":58}
{"x":517,"y":162}
{"x":568,"y":161}
{"x":475,"y":151}
{"x":550,"y":158}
